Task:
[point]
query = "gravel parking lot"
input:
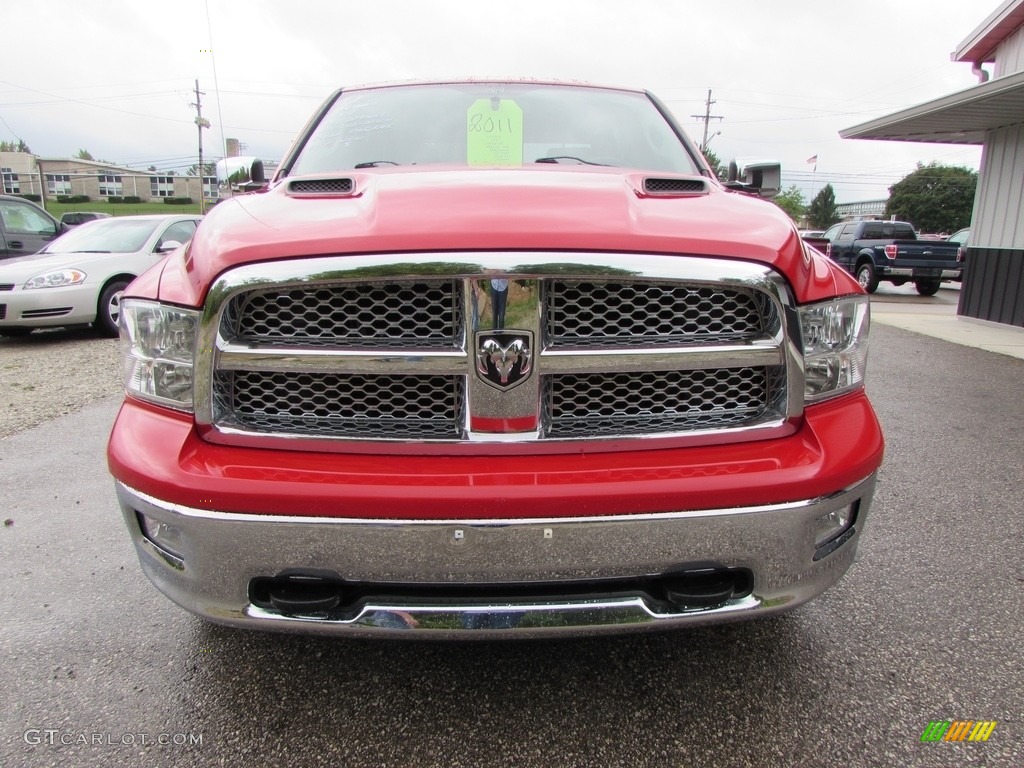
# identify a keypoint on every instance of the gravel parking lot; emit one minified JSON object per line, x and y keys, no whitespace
{"x":53,"y":373}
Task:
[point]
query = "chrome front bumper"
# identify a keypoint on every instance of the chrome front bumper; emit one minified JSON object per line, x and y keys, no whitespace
{"x":217,"y":557}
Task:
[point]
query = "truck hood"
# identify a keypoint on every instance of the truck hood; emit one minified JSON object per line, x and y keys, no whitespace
{"x":406,"y":210}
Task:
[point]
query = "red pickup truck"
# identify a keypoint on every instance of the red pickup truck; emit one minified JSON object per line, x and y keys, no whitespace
{"x":495,"y":359}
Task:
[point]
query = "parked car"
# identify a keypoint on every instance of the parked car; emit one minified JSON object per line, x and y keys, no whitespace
{"x":25,"y":227}
{"x":892,"y":251}
{"x":495,"y":358}
{"x":820,"y":240}
{"x":961,"y":238}
{"x":79,"y":277}
{"x":74,"y":218}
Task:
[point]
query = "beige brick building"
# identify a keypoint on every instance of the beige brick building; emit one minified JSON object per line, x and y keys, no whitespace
{"x":25,"y":174}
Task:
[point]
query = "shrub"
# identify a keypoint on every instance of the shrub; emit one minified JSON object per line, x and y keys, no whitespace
{"x":72,"y":198}
{"x":31,"y":198}
{"x":132,"y":200}
{"x":177,"y":201}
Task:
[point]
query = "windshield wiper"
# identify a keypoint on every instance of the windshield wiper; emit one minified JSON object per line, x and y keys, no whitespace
{"x":560,"y":158}
{"x":375,"y":163}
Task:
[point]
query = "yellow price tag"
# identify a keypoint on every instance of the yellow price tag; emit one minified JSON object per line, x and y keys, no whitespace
{"x":494,"y":132}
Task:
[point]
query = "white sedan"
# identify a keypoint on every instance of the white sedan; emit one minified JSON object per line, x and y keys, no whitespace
{"x":80,"y":276}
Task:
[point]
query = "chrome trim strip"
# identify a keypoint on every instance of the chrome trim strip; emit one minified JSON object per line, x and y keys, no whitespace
{"x":240,"y":357}
{"x":507,"y":619}
{"x":514,"y":444}
{"x":661,"y":359}
{"x":491,"y":522}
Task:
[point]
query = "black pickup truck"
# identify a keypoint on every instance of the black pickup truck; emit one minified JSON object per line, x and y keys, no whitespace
{"x":891,"y":250}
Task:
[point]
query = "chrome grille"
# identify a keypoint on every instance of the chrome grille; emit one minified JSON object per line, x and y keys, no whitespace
{"x":401,"y":407}
{"x":653,"y":401}
{"x":393,"y":314}
{"x":588,"y":313}
{"x":377,"y":351}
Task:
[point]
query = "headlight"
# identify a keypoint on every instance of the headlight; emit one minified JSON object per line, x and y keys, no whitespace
{"x":835,"y":341}
{"x":158,"y":347}
{"x":56,"y":279}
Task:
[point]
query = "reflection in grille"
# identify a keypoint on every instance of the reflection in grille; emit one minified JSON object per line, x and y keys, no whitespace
{"x":397,"y":407}
{"x":599,"y":405}
{"x":420,"y":314}
{"x":582,"y":313}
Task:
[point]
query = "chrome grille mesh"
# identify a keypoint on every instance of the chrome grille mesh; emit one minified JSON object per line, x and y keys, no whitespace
{"x":582,"y":313}
{"x":400,"y":407}
{"x":394,"y":314}
{"x":653,"y":401}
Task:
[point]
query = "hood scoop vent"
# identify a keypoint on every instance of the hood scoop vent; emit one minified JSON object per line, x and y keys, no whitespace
{"x":661,"y":187}
{"x":337,"y":187}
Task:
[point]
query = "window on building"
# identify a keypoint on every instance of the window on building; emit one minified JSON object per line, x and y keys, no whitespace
{"x":110,"y":186}
{"x":10,"y":181}
{"x":58,"y":183}
{"x":210,"y":189}
{"x":161,"y":186}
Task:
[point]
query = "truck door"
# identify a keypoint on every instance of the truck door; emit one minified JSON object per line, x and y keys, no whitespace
{"x":24,"y":228}
{"x":842,"y":246}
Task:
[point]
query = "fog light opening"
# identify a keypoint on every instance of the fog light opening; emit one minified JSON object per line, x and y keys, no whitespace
{"x":165,"y":539}
{"x":834,"y":529}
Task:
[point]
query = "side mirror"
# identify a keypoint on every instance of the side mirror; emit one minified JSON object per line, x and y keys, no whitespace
{"x":245,"y":174}
{"x":759,"y":177}
{"x":167,"y":246}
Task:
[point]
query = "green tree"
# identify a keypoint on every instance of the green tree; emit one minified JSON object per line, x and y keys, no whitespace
{"x":792,"y":202}
{"x":83,"y":154}
{"x":822,"y":213}
{"x":19,"y":146}
{"x":716,"y":164}
{"x":934,"y":198}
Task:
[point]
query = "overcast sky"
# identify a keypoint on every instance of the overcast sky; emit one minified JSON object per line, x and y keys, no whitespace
{"x":116,"y":77}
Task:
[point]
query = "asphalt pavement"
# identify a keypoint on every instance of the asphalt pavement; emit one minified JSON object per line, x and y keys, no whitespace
{"x":99,"y":669}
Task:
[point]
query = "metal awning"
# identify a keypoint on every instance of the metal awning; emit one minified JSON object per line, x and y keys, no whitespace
{"x":960,"y":118}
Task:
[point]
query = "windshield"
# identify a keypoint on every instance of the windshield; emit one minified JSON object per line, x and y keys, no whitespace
{"x":492,"y":124}
{"x":124,"y":235}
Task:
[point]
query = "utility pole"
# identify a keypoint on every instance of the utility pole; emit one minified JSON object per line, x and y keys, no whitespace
{"x":201,"y":122}
{"x":707,"y":117}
